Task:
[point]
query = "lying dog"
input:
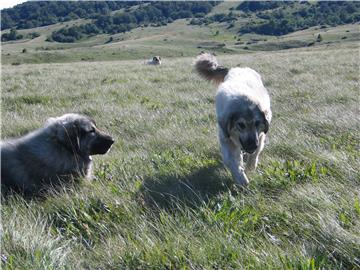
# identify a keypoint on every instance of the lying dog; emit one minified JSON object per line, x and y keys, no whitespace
{"x":55,"y":153}
{"x":155,"y":61}
{"x":243,"y":114}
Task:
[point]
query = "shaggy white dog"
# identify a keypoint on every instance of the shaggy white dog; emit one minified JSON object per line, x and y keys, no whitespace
{"x":243,"y":114}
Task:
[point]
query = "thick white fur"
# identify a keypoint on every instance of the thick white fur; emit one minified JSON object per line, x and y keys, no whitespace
{"x":240,"y":82}
{"x":240,"y":92}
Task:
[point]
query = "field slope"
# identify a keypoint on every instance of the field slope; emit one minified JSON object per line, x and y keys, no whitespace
{"x":162,"y":199}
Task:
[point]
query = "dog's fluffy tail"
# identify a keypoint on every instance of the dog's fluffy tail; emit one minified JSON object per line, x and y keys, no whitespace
{"x":207,"y":67}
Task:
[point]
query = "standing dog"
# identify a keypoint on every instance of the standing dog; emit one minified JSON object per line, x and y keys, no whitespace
{"x":57,"y":152}
{"x":243,"y":114}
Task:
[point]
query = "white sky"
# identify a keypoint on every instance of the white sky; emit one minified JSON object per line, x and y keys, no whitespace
{"x":9,"y":3}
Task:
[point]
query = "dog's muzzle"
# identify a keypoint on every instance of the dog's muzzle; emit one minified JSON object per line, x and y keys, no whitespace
{"x":250,"y":151}
{"x":250,"y":146}
{"x":101,"y":145}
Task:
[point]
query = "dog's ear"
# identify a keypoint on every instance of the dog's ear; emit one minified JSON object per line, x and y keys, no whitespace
{"x":226,"y":124}
{"x":67,"y":134}
{"x":92,"y":121}
{"x":50,"y":121}
{"x":223,"y":124}
{"x":266,"y":124}
{"x":266,"y":120}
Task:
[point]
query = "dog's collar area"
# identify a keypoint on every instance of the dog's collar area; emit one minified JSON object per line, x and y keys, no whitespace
{"x":246,"y":152}
{"x":73,"y":151}
{"x":85,"y":158}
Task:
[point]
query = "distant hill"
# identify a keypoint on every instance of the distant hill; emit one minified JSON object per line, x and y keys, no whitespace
{"x":105,"y":31}
{"x":40,"y":13}
{"x":280,"y":18}
{"x":111,"y":17}
{"x":158,"y":13}
{"x":34,"y":14}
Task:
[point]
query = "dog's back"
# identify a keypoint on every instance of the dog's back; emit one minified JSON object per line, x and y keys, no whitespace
{"x":233,"y":83}
{"x":13,"y":166}
{"x":26,"y":162}
{"x":243,"y":82}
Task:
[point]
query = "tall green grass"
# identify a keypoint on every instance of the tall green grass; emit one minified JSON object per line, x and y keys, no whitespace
{"x":162,"y":199}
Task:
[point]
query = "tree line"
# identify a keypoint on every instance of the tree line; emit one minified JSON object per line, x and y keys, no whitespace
{"x":280,"y":18}
{"x":14,"y":35}
{"x":110,"y":17}
{"x":156,"y":13}
{"x":40,"y":13}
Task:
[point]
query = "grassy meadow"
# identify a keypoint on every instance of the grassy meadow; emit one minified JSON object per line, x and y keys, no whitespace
{"x":162,"y":199}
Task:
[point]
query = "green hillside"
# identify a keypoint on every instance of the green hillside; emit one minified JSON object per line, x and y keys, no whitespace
{"x":175,"y":38}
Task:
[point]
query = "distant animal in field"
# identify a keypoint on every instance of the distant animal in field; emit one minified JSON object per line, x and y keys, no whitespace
{"x":155,"y":61}
{"x":56,"y":153}
{"x":243,"y":114}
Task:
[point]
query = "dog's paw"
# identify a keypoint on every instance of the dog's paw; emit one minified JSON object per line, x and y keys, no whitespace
{"x":251,"y":164}
{"x":241,"y":179}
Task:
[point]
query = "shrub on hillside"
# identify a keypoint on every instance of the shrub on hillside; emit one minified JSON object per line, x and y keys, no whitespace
{"x":281,"y":18}
{"x":12,"y":35}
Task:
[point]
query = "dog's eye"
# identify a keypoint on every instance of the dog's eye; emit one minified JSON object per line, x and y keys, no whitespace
{"x":241,"y":126}
{"x":92,"y":130}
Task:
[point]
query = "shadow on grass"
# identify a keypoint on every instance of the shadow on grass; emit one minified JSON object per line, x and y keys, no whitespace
{"x":171,"y":192}
{"x":7,"y":192}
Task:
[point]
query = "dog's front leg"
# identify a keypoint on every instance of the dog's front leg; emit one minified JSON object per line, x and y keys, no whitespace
{"x":253,"y":159}
{"x":232,"y":158}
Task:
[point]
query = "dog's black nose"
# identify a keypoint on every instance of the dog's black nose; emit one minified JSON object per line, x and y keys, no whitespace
{"x":108,"y":142}
{"x":249,"y":146}
{"x":111,"y":140}
{"x":101,"y":145}
{"x":250,"y":150}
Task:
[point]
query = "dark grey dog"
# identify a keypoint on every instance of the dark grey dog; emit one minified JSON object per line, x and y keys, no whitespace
{"x":243,"y":113}
{"x":56,"y":153}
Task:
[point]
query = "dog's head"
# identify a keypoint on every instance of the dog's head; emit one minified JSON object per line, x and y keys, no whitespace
{"x":80,"y":135}
{"x":157,"y":60}
{"x":244,"y":125}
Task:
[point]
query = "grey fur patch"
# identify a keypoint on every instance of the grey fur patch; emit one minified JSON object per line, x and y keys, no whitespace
{"x":56,"y":153}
